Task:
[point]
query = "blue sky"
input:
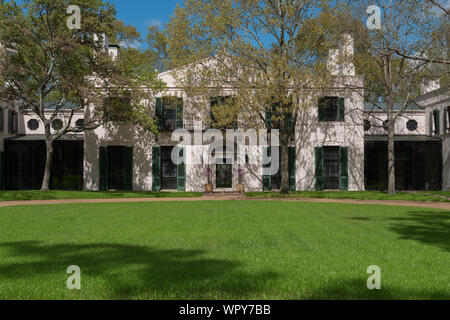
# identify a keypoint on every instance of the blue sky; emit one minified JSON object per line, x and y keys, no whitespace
{"x":143,"y":13}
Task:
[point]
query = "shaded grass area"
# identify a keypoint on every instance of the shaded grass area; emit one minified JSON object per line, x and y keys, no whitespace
{"x":358,"y":195}
{"x":56,"y":194}
{"x":439,"y":193}
{"x":224,"y":250}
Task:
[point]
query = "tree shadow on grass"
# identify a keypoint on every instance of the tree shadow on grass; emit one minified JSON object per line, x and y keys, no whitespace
{"x":431,"y":228}
{"x":356,"y":289}
{"x":137,"y":271}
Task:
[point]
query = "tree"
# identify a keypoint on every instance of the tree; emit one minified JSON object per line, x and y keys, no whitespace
{"x":56,"y":71}
{"x":383,"y":56}
{"x":264,"y":53}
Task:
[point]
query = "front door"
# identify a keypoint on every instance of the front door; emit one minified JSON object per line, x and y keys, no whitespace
{"x":116,"y":167}
{"x":224,"y":176}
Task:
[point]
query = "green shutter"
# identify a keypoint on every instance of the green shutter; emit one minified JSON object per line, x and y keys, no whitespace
{"x":292,"y":168}
{"x":431,"y":123}
{"x":344,"y":169}
{"x":438,"y":122}
{"x":269,"y":119}
{"x":321,"y":109}
{"x":156,"y":168}
{"x":445,"y":120}
{"x":266,"y":179}
{"x":10,"y":122}
{"x":2,"y":119}
{"x":181,"y":171}
{"x":128,"y":172}
{"x":159,"y":112}
{"x":341,"y":109}
{"x":289,"y":120}
{"x":319,"y":168}
{"x":179,"y":122}
{"x":103,"y":169}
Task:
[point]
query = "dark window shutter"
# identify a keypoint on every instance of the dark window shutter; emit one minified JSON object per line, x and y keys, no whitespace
{"x":2,"y":119}
{"x":445,"y":120}
{"x":128,"y":172}
{"x":159,"y":112}
{"x":10,"y":122}
{"x":156,"y":168}
{"x":266,"y":179}
{"x":344,"y":169}
{"x":292,"y":168}
{"x":431,"y":123}
{"x":319,"y":168}
{"x":341,"y":109}
{"x":269,"y":119}
{"x":181,"y":171}
{"x":289,"y":120}
{"x":103,"y":169}
{"x":437,"y":122}
{"x":179,"y":123}
{"x":321,"y":109}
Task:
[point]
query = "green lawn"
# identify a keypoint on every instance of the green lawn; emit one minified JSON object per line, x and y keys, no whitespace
{"x":358,"y":195}
{"x":223,"y":250}
{"x":52,"y":195}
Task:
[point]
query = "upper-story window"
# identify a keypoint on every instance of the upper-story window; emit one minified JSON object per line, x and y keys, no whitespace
{"x":435,"y":122}
{"x":411,"y":125}
{"x":169,"y":113}
{"x":331,"y":109}
{"x":117,"y":109}
{"x":13,"y":122}
{"x":274,"y":114}
{"x":224,"y":112}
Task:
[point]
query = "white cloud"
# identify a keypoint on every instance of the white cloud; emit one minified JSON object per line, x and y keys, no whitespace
{"x":153,"y":22}
{"x":135,"y":44}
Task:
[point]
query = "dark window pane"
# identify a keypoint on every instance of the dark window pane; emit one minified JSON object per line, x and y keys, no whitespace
{"x":331,"y":167}
{"x":168,"y":169}
{"x":329,"y":106}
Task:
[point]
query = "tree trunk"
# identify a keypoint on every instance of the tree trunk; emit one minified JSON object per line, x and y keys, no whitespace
{"x":284,"y":159}
{"x":391,"y":159}
{"x":48,"y":165}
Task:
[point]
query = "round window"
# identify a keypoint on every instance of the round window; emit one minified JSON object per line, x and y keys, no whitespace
{"x":411,"y":125}
{"x":57,"y":124}
{"x":386,"y":125}
{"x":33,"y":124}
{"x":367,"y":125}
{"x":79,"y":123}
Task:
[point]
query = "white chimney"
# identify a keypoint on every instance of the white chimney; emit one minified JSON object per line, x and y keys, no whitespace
{"x":429,"y":84}
{"x":104,"y":39}
{"x":340,"y":60}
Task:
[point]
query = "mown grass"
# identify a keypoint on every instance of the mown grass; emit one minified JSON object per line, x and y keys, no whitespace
{"x":56,"y":194}
{"x":224,"y":250}
{"x":358,"y":195}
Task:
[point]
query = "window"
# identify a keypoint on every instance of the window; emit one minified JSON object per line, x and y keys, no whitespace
{"x":33,"y":124}
{"x":331,"y":167}
{"x":224,"y":113}
{"x":168,"y":169}
{"x":169,"y":113}
{"x":411,"y":125}
{"x":436,"y":122}
{"x":13,"y":122}
{"x":386,"y":125}
{"x":117,"y":109}
{"x":274,"y":114}
{"x":57,"y":124}
{"x":331,"y":109}
{"x":79,"y":123}
{"x":367,"y":125}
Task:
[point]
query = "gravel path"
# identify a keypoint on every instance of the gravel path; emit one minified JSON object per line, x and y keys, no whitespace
{"x":420,"y":204}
